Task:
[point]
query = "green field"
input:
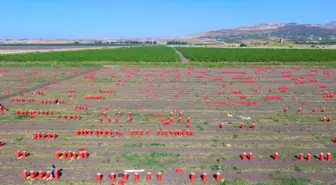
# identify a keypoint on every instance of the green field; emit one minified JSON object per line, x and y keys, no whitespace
{"x":132,"y":54}
{"x":166,"y":56}
{"x":258,"y":55}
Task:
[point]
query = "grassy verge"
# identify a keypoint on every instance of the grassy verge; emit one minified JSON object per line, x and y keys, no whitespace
{"x":166,"y":64}
{"x":153,"y":160}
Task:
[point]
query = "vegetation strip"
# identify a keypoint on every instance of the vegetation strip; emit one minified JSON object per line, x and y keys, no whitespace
{"x":258,"y":55}
{"x":163,"y":56}
{"x":132,"y":54}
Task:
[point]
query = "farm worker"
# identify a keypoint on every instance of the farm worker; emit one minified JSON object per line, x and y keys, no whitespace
{"x":52,"y":171}
{"x":57,"y":101}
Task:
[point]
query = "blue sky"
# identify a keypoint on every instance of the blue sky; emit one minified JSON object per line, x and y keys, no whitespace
{"x":150,"y":18}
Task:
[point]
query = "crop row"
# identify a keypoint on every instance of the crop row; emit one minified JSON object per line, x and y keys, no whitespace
{"x":132,"y":54}
{"x":258,"y":55}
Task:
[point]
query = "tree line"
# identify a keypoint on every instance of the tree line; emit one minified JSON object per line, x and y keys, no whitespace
{"x":176,"y":42}
{"x":124,"y":42}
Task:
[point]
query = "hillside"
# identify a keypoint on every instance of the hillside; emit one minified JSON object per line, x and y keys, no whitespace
{"x":291,"y":32}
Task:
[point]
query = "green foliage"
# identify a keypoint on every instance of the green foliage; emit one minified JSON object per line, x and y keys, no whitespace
{"x":216,"y":167}
{"x":234,"y":182}
{"x":18,"y":140}
{"x":317,"y":136}
{"x":152,"y":160}
{"x":320,"y":183}
{"x":129,"y":156}
{"x":21,"y":117}
{"x":214,"y":140}
{"x":297,"y":168}
{"x":258,"y":55}
{"x":145,"y":145}
{"x":132,"y":54}
{"x":242,"y":45}
{"x":235,"y":168}
{"x":293,"y":181}
{"x":224,"y":157}
{"x":4,"y":118}
{"x":134,"y":145}
{"x":157,"y":144}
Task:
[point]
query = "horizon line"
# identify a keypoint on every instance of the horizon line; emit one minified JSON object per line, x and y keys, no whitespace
{"x":164,"y":37}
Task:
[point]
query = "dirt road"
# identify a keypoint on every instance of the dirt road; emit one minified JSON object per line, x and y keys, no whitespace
{"x":184,"y":60}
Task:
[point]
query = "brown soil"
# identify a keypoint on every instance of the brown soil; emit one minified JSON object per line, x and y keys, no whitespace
{"x":288,"y":133}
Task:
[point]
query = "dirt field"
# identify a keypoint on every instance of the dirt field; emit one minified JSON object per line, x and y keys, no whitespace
{"x":203,"y":95}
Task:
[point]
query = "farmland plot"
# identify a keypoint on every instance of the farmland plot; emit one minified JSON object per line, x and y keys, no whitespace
{"x":250,"y":55}
{"x":172,"y":121}
{"x":133,"y":54}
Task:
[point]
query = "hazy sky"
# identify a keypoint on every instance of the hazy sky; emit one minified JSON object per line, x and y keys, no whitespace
{"x":149,"y":18}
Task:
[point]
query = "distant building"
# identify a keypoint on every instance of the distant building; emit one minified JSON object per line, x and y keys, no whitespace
{"x":281,"y":41}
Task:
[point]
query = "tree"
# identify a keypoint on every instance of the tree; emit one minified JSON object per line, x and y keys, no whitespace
{"x":242,"y":45}
{"x":177,"y":42}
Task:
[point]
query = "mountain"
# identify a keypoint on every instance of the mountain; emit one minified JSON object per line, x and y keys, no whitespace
{"x":331,"y":24}
{"x":291,"y":32}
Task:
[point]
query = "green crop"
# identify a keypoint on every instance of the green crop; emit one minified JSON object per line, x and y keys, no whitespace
{"x":258,"y":55}
{"x":132,"y":54}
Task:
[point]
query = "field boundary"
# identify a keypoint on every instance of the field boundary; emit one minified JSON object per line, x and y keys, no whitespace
{"x":101,"y":64}
{"x":184,"y":60}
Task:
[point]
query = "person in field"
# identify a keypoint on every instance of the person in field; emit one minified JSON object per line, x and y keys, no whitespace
{"x":57,"y":101}
{"x":52,"y":171}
